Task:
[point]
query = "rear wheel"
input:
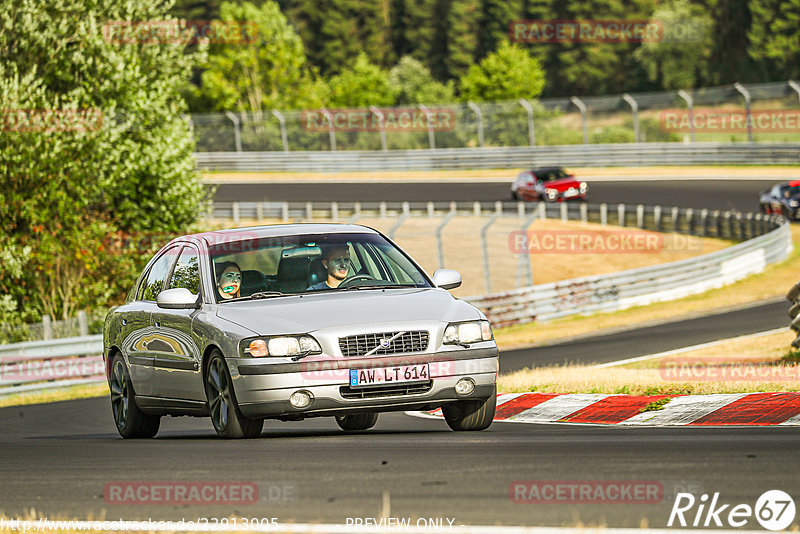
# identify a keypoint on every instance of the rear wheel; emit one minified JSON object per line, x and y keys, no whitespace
{"x":361,"y":421}
{"x":228,"y":421}
{"x":130,"y":421}
{"x":470,"y":414}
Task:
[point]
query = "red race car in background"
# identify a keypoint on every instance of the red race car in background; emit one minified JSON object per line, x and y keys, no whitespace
{"x":551,"y":184}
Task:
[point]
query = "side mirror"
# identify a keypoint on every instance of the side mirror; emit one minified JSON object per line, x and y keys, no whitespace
{"x":179,"y":298}
{"x":446,"y":278}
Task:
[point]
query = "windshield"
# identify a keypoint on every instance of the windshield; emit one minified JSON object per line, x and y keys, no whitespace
{"x":274,"y":266}
{"x":550,"y":175}
{"x":791,"y":191}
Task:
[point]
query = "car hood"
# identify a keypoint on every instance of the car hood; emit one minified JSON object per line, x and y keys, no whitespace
{"x":318,"y":311}
{"x":562,"y":184}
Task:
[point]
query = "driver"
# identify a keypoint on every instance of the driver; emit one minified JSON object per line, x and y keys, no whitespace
{"x":229,"y":280}
{"x":336,"y":260}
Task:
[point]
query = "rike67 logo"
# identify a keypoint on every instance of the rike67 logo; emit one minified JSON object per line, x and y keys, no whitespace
{"x":774,"y":510}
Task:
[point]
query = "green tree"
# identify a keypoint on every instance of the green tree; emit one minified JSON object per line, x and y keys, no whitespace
{"x":268,"y":72}
{"x":364,"y":84}
{"x":775,"y":38}
{"x":732,"y":21}
{"x":507,"y":74}
{"x":680,"y":59}
{"x":415,"y":85}
{"x":91,"y":142}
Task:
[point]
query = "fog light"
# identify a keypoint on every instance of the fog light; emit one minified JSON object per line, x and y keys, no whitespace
{"x":300,"y":399}
{"x":465,"y":386}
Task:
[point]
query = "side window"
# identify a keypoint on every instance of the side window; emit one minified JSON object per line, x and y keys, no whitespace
{"x":187,"y":271}
{"x":154,"y":282}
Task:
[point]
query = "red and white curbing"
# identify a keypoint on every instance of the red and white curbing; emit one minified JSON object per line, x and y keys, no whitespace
{"x":682,"y":410}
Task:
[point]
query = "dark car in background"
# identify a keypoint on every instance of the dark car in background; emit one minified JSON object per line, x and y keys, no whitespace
{"x":782,"y":199}
{"x":550,"y":184}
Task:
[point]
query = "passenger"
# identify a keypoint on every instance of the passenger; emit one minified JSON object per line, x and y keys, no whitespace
{"x":229,"y":279}
{"x":336,"y":260}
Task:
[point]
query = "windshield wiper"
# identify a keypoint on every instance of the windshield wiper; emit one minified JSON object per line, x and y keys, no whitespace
{"x":376,"y":286}
{"x":259,"y":295}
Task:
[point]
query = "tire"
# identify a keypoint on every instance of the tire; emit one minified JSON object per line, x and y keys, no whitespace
{"x":228,"y":421}
{"x":361,"y":421}
{"x":470,"y":415}
{"x":130,"y":421}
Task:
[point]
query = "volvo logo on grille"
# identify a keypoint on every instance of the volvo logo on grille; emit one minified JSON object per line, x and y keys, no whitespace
{"x":385,"y":342}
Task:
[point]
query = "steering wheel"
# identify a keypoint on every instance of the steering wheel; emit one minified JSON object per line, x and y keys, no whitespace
{"x":356,"y":278}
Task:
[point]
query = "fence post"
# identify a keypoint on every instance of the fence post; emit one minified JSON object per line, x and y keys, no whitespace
{"x":479,"y":116}
{"x":259,"y":211}
{"x":439,"y":229}
{"x":793,"y":85}
{"x":378,"y":113}
{"x":356,"y":213}
{"x":529,"y":110}
{"x":750,"y":233}
{"x":382,"y":210}
{"x":309,"y":211}
{"x":635,"y":111}
{"x":498,"y":207}
{"x":703,"y":222}
{"x":690,"y":221}
{"x":564,"y":215}
{"x":334,"y":210}
{"x":431,"y":135}
{"x":640,"y":216}
{"x":728,"y":224}
{"x":285,"y":211}
{"x":657,"y":218}
{"x":542,"y":209}
{"x":406,"y":208}
{"x":689,"y":104}
{"x":331,"y":130}
{"x":284,"y":138}
{"x":83,"y":323}
{"x":487,"y":279}
{"x":717,"y":224}
{"x":520,"y":209}
{"x":621,"y":214}
{"x":237,"y":136}
{"x":604,"y":214}
{"x":584,"y":121}
{"x":476,"y":209}
{"x":431,"y":210}
{"x":524,"y":266}
{"x":584,"y":212}
{"x":47,"y":327}
{"x":235,"y":208}
{"x":746,"y":94}
{"x":675,"y":214}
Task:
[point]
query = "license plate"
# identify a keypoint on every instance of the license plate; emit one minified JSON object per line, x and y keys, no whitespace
{"x":389,"y":375}
{"x":571,"y":193}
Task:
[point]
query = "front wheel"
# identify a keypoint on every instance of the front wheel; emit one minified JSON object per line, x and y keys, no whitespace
{"x":228,"y":421}
{"x":361,"y":421}
{"x":470,"y":414}
{"x":130,"y":420}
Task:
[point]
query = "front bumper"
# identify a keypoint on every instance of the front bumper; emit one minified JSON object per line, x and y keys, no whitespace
{"x":263,"y":389}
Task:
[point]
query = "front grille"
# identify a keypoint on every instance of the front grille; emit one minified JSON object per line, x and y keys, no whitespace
{"x":398,"y":390}
{"x":412,"y":341}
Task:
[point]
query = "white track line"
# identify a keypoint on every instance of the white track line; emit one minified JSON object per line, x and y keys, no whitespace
{"x":693,"y":347}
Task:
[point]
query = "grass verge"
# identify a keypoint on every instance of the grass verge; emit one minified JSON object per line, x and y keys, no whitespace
{"x":743,"y":365}
{"x":83,"y":391}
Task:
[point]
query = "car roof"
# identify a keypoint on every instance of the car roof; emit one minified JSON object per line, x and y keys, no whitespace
{"x":228,"y":235}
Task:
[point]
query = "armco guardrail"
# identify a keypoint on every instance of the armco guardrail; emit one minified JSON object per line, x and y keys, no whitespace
{"x":637,"y":287}
{"x":624,"y":154}
{"x":793,"y":296}
{"x":37,"y":365}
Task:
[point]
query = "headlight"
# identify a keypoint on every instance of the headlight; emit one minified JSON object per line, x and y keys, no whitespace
{"x":281,"y":346}
{"x":584,"y":187}
{"x":551,"y":193}
{"x":471,"y":332}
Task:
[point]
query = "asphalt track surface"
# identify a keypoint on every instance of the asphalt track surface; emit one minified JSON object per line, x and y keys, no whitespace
{"x":741,"y":195}
{"x":59,"y":458}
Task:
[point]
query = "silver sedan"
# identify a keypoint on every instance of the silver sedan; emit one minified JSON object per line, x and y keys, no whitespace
{"x":294,"y":321}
